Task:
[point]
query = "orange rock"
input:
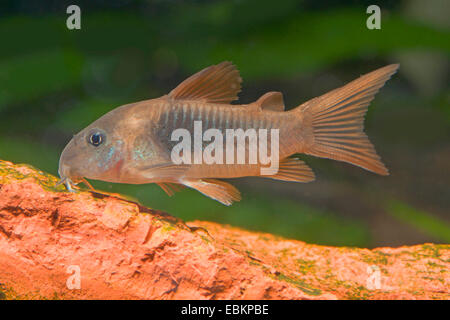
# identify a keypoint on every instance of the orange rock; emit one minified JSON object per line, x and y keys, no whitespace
{"x":126,"y":251}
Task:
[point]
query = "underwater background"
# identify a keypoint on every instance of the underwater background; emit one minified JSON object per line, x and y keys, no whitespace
{"x":55,"y":81}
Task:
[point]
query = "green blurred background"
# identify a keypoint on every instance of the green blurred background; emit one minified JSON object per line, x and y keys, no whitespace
{"x":55,"y":81}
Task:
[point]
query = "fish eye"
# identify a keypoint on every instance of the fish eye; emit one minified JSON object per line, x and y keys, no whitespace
{"x":96,"y":138}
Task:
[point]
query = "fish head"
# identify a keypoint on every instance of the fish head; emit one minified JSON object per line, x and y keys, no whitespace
{"x":96,"y":152}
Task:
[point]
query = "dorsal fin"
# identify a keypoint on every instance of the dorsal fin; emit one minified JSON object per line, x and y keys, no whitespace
{"x":216,"y":84}
{"x":271,"y":101}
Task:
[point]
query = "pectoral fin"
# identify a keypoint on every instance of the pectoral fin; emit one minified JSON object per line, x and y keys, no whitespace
{"x":87,"y":184}
{"x":166,"y":171}
{"x":170,"y":188}
{"x":215,"y":189}
{"x":293,"y":169}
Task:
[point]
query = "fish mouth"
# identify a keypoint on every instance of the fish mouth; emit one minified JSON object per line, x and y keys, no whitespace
{"x":67,"y":179}
{"x":67,"y":182}
{"x":70,"y":180}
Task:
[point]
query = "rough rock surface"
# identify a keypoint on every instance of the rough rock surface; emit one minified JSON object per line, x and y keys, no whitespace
{"x":126,"y":251}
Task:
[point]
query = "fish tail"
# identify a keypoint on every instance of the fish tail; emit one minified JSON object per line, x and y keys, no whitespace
{"x":333,"y":123}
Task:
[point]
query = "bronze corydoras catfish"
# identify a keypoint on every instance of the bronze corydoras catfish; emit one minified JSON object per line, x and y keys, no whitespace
{"x":132,"y":143}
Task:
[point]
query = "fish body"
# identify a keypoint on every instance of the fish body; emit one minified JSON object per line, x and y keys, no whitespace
{"x":135,"y":143}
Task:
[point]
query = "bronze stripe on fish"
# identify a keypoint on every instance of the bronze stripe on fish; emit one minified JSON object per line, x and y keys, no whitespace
{"x":133,"y":143}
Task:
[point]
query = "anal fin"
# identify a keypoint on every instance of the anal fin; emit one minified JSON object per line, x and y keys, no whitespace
{"x":218,"y":190}
{"x":293,"y":169}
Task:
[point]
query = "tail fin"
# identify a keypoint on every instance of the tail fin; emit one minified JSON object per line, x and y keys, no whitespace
{"x":337,"y":121}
